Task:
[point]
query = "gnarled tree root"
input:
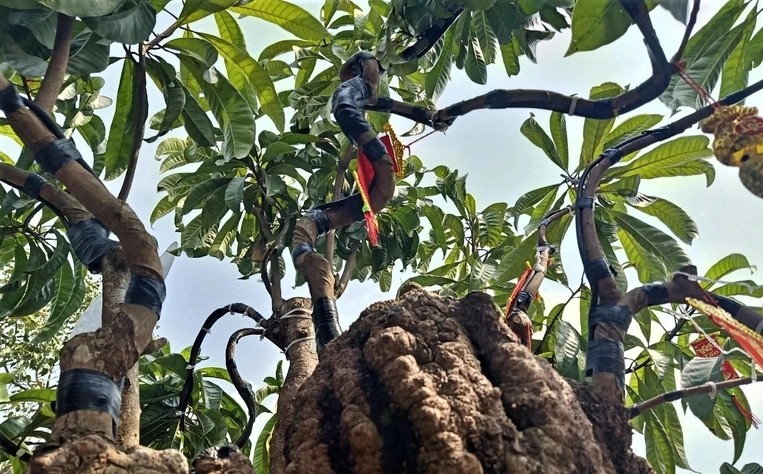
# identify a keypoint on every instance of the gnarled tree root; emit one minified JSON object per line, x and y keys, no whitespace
{"x":93,"y":454}
{"x":429,"y":384}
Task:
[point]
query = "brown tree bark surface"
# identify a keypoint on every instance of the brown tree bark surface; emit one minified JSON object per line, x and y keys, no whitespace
{"x":427,"y":384}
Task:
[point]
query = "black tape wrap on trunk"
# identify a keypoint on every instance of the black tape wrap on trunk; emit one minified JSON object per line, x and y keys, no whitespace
{"x":656,"y":294}
{"x":325,"y":321}
{"x":56,"y":154}
{"x":147,"y":292}
{"x":347,"y":104}
{"x":10,"y":100}
{"x":597,"y":270}
{"x":301,"y":249}
{"x":90,"y":242}
{"x":321,"y":220}
{"x":374,"y":149}
{"x":353,"y":202}
{"x":524,"y":300}
{"x":85,"y":389}
{"x":606,"y":355}
{"x":33,"y":185}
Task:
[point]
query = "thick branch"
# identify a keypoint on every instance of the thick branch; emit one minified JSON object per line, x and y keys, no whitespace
{"x":240,"y":385}
{"x":430,"y":37}
{"x":703,"y":389}
{"x":573,"y":105}
{"x":344,"y":163}
{"x":59,"y":59}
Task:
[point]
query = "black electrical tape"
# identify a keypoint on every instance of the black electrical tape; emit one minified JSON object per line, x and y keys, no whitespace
{"x":325,"y":321}
{"x":728,"y":305}
{"x":421,"y":115}
{"x":33,"y":185}
{"x":90,"y":242}
{"x":85,"y":389}
{"x":614,"y":154}
{"x":10,"y":100}
{"x":383,"y":104}
{"x":584,"y":202}
{"x":299,"y":250}
{"x":353,"y":202}
{"x":56,"y":154}
{"x":606,"y":356}
{"x":357,"y":60}
{"x":352,"y":122}
{"x":321,"y":220}
{"x":673,"y":396}
{"x":147,"y":292}
{"x":597,"y":270}
{"x":656,"y":294}
{"x":524,"y":300}
{"x":375,"y":149}
{"x":619,"y":315}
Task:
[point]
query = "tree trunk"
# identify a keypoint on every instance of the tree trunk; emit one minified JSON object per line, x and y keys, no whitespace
{"x":428,"y":384}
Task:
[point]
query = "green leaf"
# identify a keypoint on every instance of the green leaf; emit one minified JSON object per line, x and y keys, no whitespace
{"x":89,"y":54}
{"x":594,"y":130}
{"x":234,"y":193}
{"x":678,"y":8}
{"x":657,"y":162}
{"x":232,"y":113}
{"x":194,"y":10}
{"x":288,"y":16}
{"x":675,"y":218}
{"x":225,"y":236}
{"x":510,"y":57}
{"x":261,"y":460}
{"x":119,"y":145}
{"x":538,"y":137}
{"x":705,"y":55}
{"x":737,"y":67}
{"x":173,"y":92}
{"x":493,"y":218}
{"x":647,"y":265}
{"x":438,"y":77}
{"x":659,"y":450}
{"x":260,"y":80}
{"x":162,"y":208}
{"x":630,"y":128}
{"x":199,"y":194}
{"x":485,"y":36}
{"x":566,"y":349}
{"x":728,"y":264}
{"x":130,"y":26}
{"x":90,"y":8}
{"x":475,"y":66}
{"x":653,"y":240}
{"x":196,"y":122}
{"x":596,"y":23}
{"x":558,"y":125}
{"x":195,"y":48}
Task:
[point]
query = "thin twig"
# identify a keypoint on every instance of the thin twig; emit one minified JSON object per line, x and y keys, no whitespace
{"x":162,"y":36}
{"x":344,"y":163}
{"x":556,"y":316}
{"x":140,"y":103}
{"x":349,"y":266}
{"x":687,"y":33}
{"x":59,"y":59}
{"x":706,"y":388}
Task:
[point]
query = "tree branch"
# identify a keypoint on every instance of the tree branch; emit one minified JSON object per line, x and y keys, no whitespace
{"x":50,"y":88}
{"x":344,"y":163}
{"x":238,"y":382}
{"x":573,"y":105}
{"x":706,"y":388}
{"x":606,"y":296}
{"x":430,"y":37}
{"x":140,"y":102}
{"x":687,"y":33}
{"x":349,"y":266}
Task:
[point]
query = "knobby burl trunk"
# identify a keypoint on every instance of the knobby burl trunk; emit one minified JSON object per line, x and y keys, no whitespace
{"x":427,"y":384}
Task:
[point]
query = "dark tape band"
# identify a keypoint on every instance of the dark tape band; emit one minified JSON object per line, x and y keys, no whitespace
{"x":357,"y":60}
{"x":597,"y":270}
{"x":673,"y":396}
{"x":321,"y":220}
{"x":656,"y":294}
{"x":85,"y":389}
{"x":383,"y":104}
{"x":584,"y":202}
{"x":352,"y":122}
{"x":374,"y":149}
{"x":10,"y":100}
{"x":353,"y":203}
{"x":421,"y":115}
{"x":728,"y":305}
{"x":620,"y":316}
{"x":325,"y":321}
{"x":299,"y":250}
{"x":524,"y":300}
{"x":606,"y":356}
{"x":614,"y":154}
{"x":56,"y":154}
{"x":90,"y":242}
{"x":147,"y":292}
{"x":33,"y":185}
{"x":353,"y":93}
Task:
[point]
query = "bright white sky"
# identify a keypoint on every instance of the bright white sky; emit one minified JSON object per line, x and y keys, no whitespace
{"x":502,"y":165}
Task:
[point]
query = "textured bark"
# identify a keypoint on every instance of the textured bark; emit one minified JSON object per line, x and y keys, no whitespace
{"x":95,"y":455}
{"x":302,"y":362}
{"x":225,"y":460}
{"x":429,"y":384}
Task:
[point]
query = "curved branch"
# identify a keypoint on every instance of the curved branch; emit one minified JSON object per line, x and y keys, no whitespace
{"x":706,"y":388}
{"x":240,"y":385}
{"x":610,"y":328}
{"x":573,"y":105}
{"x":344,"y":163}
{"x":349,"y":266}
{"x":187,"y":391}
{"x":59,"y":59}
{"x":687,"y":33}
{"x":430,"y":37}
{"x":140,"y":112}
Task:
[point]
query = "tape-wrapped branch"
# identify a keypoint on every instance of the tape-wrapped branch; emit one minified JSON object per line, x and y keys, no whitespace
{"x":147,"y":292}
{"x":85,"y":389}
{"x":90,"y":243}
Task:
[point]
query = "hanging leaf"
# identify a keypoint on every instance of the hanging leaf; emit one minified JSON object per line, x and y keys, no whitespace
{"x":194,"y":10}
{"x":119,"y":144}
{"x":558,"y":125}
{"x":475,"y":66}
{"x":533,"y":131}
{"x":596,"y":23}
{"x":288,"y":16}
{"x":657,"y":162}
{"x":129,"y":26}
{"x":594,"y":130}
{"x":675,"y":218}
{"x":91,"y":8}
{"x":439,"y":76}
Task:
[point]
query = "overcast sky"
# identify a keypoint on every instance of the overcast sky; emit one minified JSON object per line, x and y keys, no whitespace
{"x":502,"y":165}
